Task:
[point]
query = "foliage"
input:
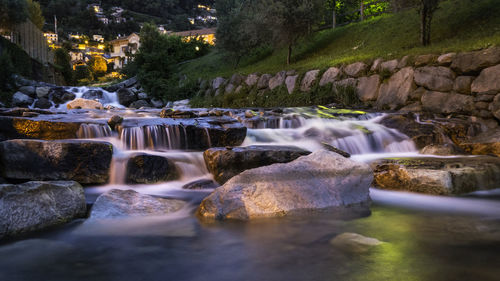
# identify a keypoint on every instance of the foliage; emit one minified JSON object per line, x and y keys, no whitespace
{"x":82,"y":72}
{"x":35,"y":14}
{"x":98,"y":66}
{"x":63,"y":60}
{"x":12,"y":12}
{"x":426,"y":10}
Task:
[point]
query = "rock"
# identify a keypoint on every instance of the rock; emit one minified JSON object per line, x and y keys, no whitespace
{"x":348,"y":82}
{"x":218,"y":82}
{"x":389,"y":66}
{"x":291,"y":82}
{"x":43,"y":103}
{"x":114,"y":120}
{"x":38,"y":205}
{"x":21,"y":100}
{"x":252,"y":79}
{"x":446,"y":59}
{"x":488,"y":80}
{"x":130,"y":82}
{"x":128,"y":203}
{"x":331,"y":75}
{"x":495,"y":107}
{"x":404,"y":62}
{"x":236,"y":79}
{"x":30,"y":114}
{"x":394,"y":94}
{"x":142,"y":96}
{"x":28,"y":90}
{"x":332,"y":148}
{"x":438,"y":176}
{"x":417,"y":94}
{"x":356,"y":69}
{"x":156,"y":103}
{"x":411,"y":108}
{"x":435,"y":78}
{"x":93,"y":95}
{"x":447,"y":103}
{"x":483,"y":144}
{"x":291,"y":72}
{"x":201,"y":184}
{"x":368,"y":88}
{"x":84,"y":161}
{"x":463,"y":84}
{"x":249,"y":113}
{"x":442,"y":149}
{"x":80,"y":103}
{"x":376,"y":65}
{"x":229,"y":88}
{"x":176,"y":113}
{"x":59,"y":95}
{"x":263,"y":82}
{"x":18,"y":128}
{"x":320,"y":180}
{"x":238,"y":89}
{"x":474,"y":62}
{"x":138,"y":104}
{"x":354,"y":243}
{"x":425,"y":60}
{"x":42,"y":92}
{"x":226,"y":163}
{"x":144,"y":168}
{"x":277,"y":80}
{"x":126,"y":96}
{"x":308,"y":80}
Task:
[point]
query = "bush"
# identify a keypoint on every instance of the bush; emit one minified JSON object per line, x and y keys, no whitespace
{"x":82,"y":72}
{"x":63,"y":60}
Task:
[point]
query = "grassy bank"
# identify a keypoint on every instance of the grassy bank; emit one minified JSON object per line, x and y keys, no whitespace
{"x":457,"y":26}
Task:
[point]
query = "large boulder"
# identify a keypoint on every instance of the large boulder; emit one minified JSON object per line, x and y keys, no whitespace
{"x":126,"y":96}
{"x":320,"y":180}
{"x":83,"y":161}
{"x":331,"y":75}
{"x":59,"y":95}
{"x":145,"y":168}
{"x":483,"y":144}
{"x":42,"y":103}
{"x":21,"y":100}
{"x":128,"y":203}
{"x":218,"y":82}
{"x":438,"y":176}
{"x":80,"y":103}
{"x":389,"y":66}
{"x":463,"y":84}
{"x":447,"y":103}
{"x":368,"y":88}
{"x":37,"y":205}
{"x":438,"y":78}
{"x":14,"y":127}
{"x":226,"y":163}
{"x":488,"y":80}
{"x":139,"y":104}
{"x":28,"y":90}
{"x":474,"y":62}
{"x":425,"y":59}
{"x":277,"y":80}
{"x":252,"y":79}
{"x":291,"y":82}
{"x":356,"y":69}
{"x":395,"y":93}
{"x":263,"y":82}
{"x":446,"y":59}
{"x":308,"y":80}
{"x":42,"y":92}
{"x":93,"y":95}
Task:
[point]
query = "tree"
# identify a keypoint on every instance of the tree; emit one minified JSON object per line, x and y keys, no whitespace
{"x":98,"y":66}
{"x":35,"y":13}
{"x":426,"y":10}
{"x":63,"y":60}
{"x":82,"y":72}
{"x":12,"y":12}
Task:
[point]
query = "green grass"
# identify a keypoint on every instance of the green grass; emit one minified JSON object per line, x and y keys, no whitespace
{"x":459,"y":25}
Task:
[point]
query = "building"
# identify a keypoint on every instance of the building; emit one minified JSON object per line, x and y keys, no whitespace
{"x":52,"y":38}
{"x":98,"y":38}
{"x":96,"y":8}
{"x":122,"y":48}
{"x":102,"y":18}
{"x":207,"y":34}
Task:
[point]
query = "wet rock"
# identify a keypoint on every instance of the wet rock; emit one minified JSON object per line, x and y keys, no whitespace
{"x":320,"y":180}
{"x":28,"y":90}
{"x":389,"y":66}
{"x":59,"y":95}
{"x":21,"y":100}
{"x":249,"y":113}
{"x":138,"y":104}
{"x":156,"y":103}
{"x":42,"y":92}
{"x":354,"y":243}
{"x":291,"y":82}
{"x":483,"y":144}
{"x":412,"y":108}
{"x":84,"y":161}
{"x":144,"y":168}
{"x":128,"y":203}
{"x":474,"y":62}
{"x":43,"y":103}
{"x":37,"y":205}
{"x":331,"y":75}
{"x":488,"y":80}
{"x":308,"y":80}
{"x":93,"y":95}
{"x":252,"y":79}
{"x":176,"y":113}
{"x":226,"y":163}
{"x":356,"y":69}
{"x":277,"y":80}
{"x":218,"y":82}
{"x":201,"y":184}
{"x":126,"y":96}
{"x":263,"y":82}
{"x":368,"y":88}
{"x":30,"y":114}
{"x":332,"y":148}
{"x":442,"y":149}
{"x":446,"y":59}
{"x":114,"y":120}
{"x":463,"y":84}
{"x":80,"y":103}
{"x":446,"y":103}
{"x":435,"y":78}
{"x":20,"y":128}
{"x":438,"y":176}
{"x":395,"y":93}
{"x":425,"y":60}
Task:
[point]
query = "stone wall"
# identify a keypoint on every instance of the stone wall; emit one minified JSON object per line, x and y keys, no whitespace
{"x":464,"y":83}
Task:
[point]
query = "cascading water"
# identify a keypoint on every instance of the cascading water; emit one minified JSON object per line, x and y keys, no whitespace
{"x":154,"y":137}
{"x":92,"y":131}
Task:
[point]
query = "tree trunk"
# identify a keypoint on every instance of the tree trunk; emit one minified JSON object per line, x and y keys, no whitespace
{"x":423,"y":24}
{"x":289,"y":57}
{"x":362,"y":11}
{"x":334,"y":16}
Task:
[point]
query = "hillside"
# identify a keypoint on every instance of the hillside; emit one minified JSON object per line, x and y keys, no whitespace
{"x":457,"y":26}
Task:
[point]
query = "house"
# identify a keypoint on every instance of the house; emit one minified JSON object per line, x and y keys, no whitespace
{"x":207,"y":34}
{"x":98,"y":38}
{"x":96,"y":8}
{"x":123,"y":47}
{"x":51,"y":37}
{"x":102,"y":18}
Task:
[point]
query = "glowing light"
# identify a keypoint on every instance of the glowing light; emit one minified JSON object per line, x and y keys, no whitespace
{"x":197,"y":48}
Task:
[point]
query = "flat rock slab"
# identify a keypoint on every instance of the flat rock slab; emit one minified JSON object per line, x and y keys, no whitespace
{"x":37,"y":205}
{"x":438,"y":176}
{"x":145,"y":168}
{"x":13,"y":127}
{"x":483,"y":144}
{"x":225,"y":163}
{"x":321,"y":180}
{"x":84,"y":161}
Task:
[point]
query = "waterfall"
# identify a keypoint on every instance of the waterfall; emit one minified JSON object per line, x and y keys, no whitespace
{"x":154,"y":137}
{"x":92,"y":131}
